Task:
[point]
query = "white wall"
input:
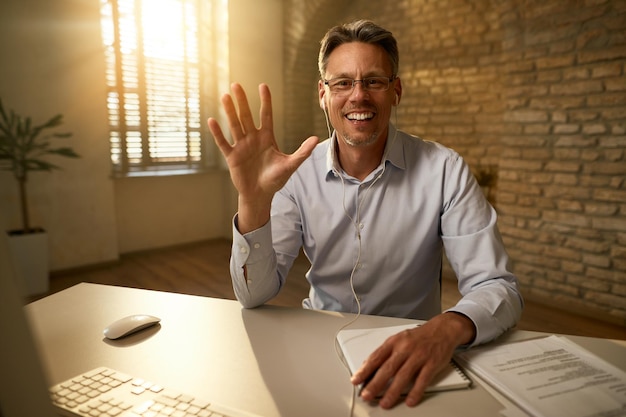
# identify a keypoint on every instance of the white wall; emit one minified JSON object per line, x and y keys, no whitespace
{"x":52,"y":63}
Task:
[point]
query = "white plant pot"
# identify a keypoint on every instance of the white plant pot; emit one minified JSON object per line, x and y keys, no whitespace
{"x":29,"y":253}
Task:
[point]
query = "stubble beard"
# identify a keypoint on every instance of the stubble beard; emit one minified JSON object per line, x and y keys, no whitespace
{"x":360,"y":142}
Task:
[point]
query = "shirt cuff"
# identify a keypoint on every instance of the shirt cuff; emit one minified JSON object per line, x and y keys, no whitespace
{"x":252,"y":246}
{"x":486,"y":327}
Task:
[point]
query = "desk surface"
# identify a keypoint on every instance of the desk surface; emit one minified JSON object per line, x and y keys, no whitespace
{"x":273,"y":361}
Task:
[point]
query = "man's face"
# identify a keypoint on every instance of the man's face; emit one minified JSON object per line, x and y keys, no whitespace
{"x":359,"y":116}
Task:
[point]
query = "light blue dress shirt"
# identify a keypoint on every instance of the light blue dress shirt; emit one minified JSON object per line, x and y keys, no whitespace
{"x":391,"y":229}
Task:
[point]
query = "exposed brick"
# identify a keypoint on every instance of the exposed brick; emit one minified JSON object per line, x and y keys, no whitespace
{"x":540,"y":178}
{"x":565,"y":179}
{"x":589,"y":284}
{"x":523,"y":165}
{"x":576,"y":88}
{"x":565,"y":154}
{"x":613,"y":142}
{"x":566,"y":129}
{"x":607,"y":99}
{"x":594,"y":129}
{"x":577,"y":141}
{"x":567,"y":218}
{"x":537,"y":129}
{"x":568,"y":205}
{"x":567,"y":192}
{"x":555,"y":286}
{"x":514,"y":210}
{"x":619,"y":264}
{"x":589,"y":155}
{"x":594,"y":246}
{"x":614,"y":155}
{"x":611,"y":69}
{"x":527,"y":116}
{"x":618,"y":196}
{"x":600,"y":209}
{"x":604,"y":54}
{"x":619,"y":290}
{"x":536,"y":153}
{"x":560,"y":166}
{"x":554,"y":62}
{"x":556,"y":102}
{"x":616,"y":84}
{"x":605,"y":168}
{"x":610,"y":224}
{"x":575,"y":73}
{"x":614,"y":114}
{"x":597,"y":261}
{"x":572,"y":267}
{"x":586,"y":115}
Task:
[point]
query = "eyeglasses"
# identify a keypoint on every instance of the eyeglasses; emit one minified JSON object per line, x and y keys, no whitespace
{"x":345,"y":85}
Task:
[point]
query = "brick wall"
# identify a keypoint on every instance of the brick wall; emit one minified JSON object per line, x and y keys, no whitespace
{"x":533,"y":94}
{"x":562,"y":188}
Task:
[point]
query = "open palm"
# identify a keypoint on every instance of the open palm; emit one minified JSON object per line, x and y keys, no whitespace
{"x":257,"y":167}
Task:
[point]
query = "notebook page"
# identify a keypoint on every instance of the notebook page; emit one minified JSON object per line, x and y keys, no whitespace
{"x":357,"y":344}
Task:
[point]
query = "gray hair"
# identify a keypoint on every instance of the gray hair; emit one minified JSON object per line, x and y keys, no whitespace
{"x":358,"y":31}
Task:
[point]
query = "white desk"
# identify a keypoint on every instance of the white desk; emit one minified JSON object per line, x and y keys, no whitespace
{"x":272,"y":361}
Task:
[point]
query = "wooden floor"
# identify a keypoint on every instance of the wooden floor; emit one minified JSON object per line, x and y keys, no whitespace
{"x":202,"y":269}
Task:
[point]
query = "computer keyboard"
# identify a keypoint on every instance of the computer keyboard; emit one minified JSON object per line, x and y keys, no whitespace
{"x":104,"y":392}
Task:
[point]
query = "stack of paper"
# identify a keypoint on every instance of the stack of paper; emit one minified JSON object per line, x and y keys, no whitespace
{"x":551,"y":377}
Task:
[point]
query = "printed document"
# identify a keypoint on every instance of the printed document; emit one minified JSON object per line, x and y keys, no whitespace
{"x":551,"y":377}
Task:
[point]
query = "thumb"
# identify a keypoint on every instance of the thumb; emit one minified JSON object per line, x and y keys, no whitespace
{"x":305,"y":150}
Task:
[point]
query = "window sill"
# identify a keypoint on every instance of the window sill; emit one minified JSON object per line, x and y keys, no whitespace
{"x":164,"y":172}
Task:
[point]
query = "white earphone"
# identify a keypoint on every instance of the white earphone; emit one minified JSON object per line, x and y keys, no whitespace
{"x":396,"y":101}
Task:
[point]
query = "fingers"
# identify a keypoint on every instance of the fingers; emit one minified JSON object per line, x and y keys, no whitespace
{"x":218,"y":136}
{"x":416,"y":393}
{"x":242,"y":122}
{"x":245,"y":115}
{"x":236,"y":129}
{"x":405,"y":360}
{"x":267,"y":118}
{"x":396,"y":369}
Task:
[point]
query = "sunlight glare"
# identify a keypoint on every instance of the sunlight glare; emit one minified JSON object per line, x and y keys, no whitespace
{"x":163,"y":23}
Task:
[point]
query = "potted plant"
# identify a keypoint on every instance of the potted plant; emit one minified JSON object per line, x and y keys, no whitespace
{"x":23,"y":148}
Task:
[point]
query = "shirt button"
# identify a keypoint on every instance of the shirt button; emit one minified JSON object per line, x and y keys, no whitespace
{"x":243,"y":249}
{"x":361,"y":225}
{"x":249,"y":282}
{"x":257,"y":245}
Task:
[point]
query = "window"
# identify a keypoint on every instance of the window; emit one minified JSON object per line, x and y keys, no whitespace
{"x":164,"y":66}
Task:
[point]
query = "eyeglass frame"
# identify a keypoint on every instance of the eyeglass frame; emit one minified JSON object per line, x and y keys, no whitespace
{"x":363,"y":80}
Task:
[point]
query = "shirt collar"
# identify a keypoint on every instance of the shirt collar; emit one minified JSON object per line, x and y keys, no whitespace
{"x":394,"y":152}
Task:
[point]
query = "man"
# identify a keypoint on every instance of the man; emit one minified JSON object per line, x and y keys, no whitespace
{"x":373,"y":208}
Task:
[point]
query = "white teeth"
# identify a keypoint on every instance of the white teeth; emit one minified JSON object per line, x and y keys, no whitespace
{"x":360,"y":116}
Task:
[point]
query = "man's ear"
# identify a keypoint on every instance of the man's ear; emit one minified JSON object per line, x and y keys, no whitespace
{"x":398,"y":87}
{"x":321,"y":92}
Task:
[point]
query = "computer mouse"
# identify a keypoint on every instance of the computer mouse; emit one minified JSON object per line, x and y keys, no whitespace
{"x":129,"y":325}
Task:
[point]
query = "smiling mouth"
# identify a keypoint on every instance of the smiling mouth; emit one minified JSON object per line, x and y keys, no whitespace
{"x":360,"y":116}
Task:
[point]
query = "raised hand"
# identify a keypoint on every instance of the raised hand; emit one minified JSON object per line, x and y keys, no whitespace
{"x":257,"y":167}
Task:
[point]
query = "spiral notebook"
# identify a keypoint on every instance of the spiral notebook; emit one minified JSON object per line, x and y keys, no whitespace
{"x":357,"y":344}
